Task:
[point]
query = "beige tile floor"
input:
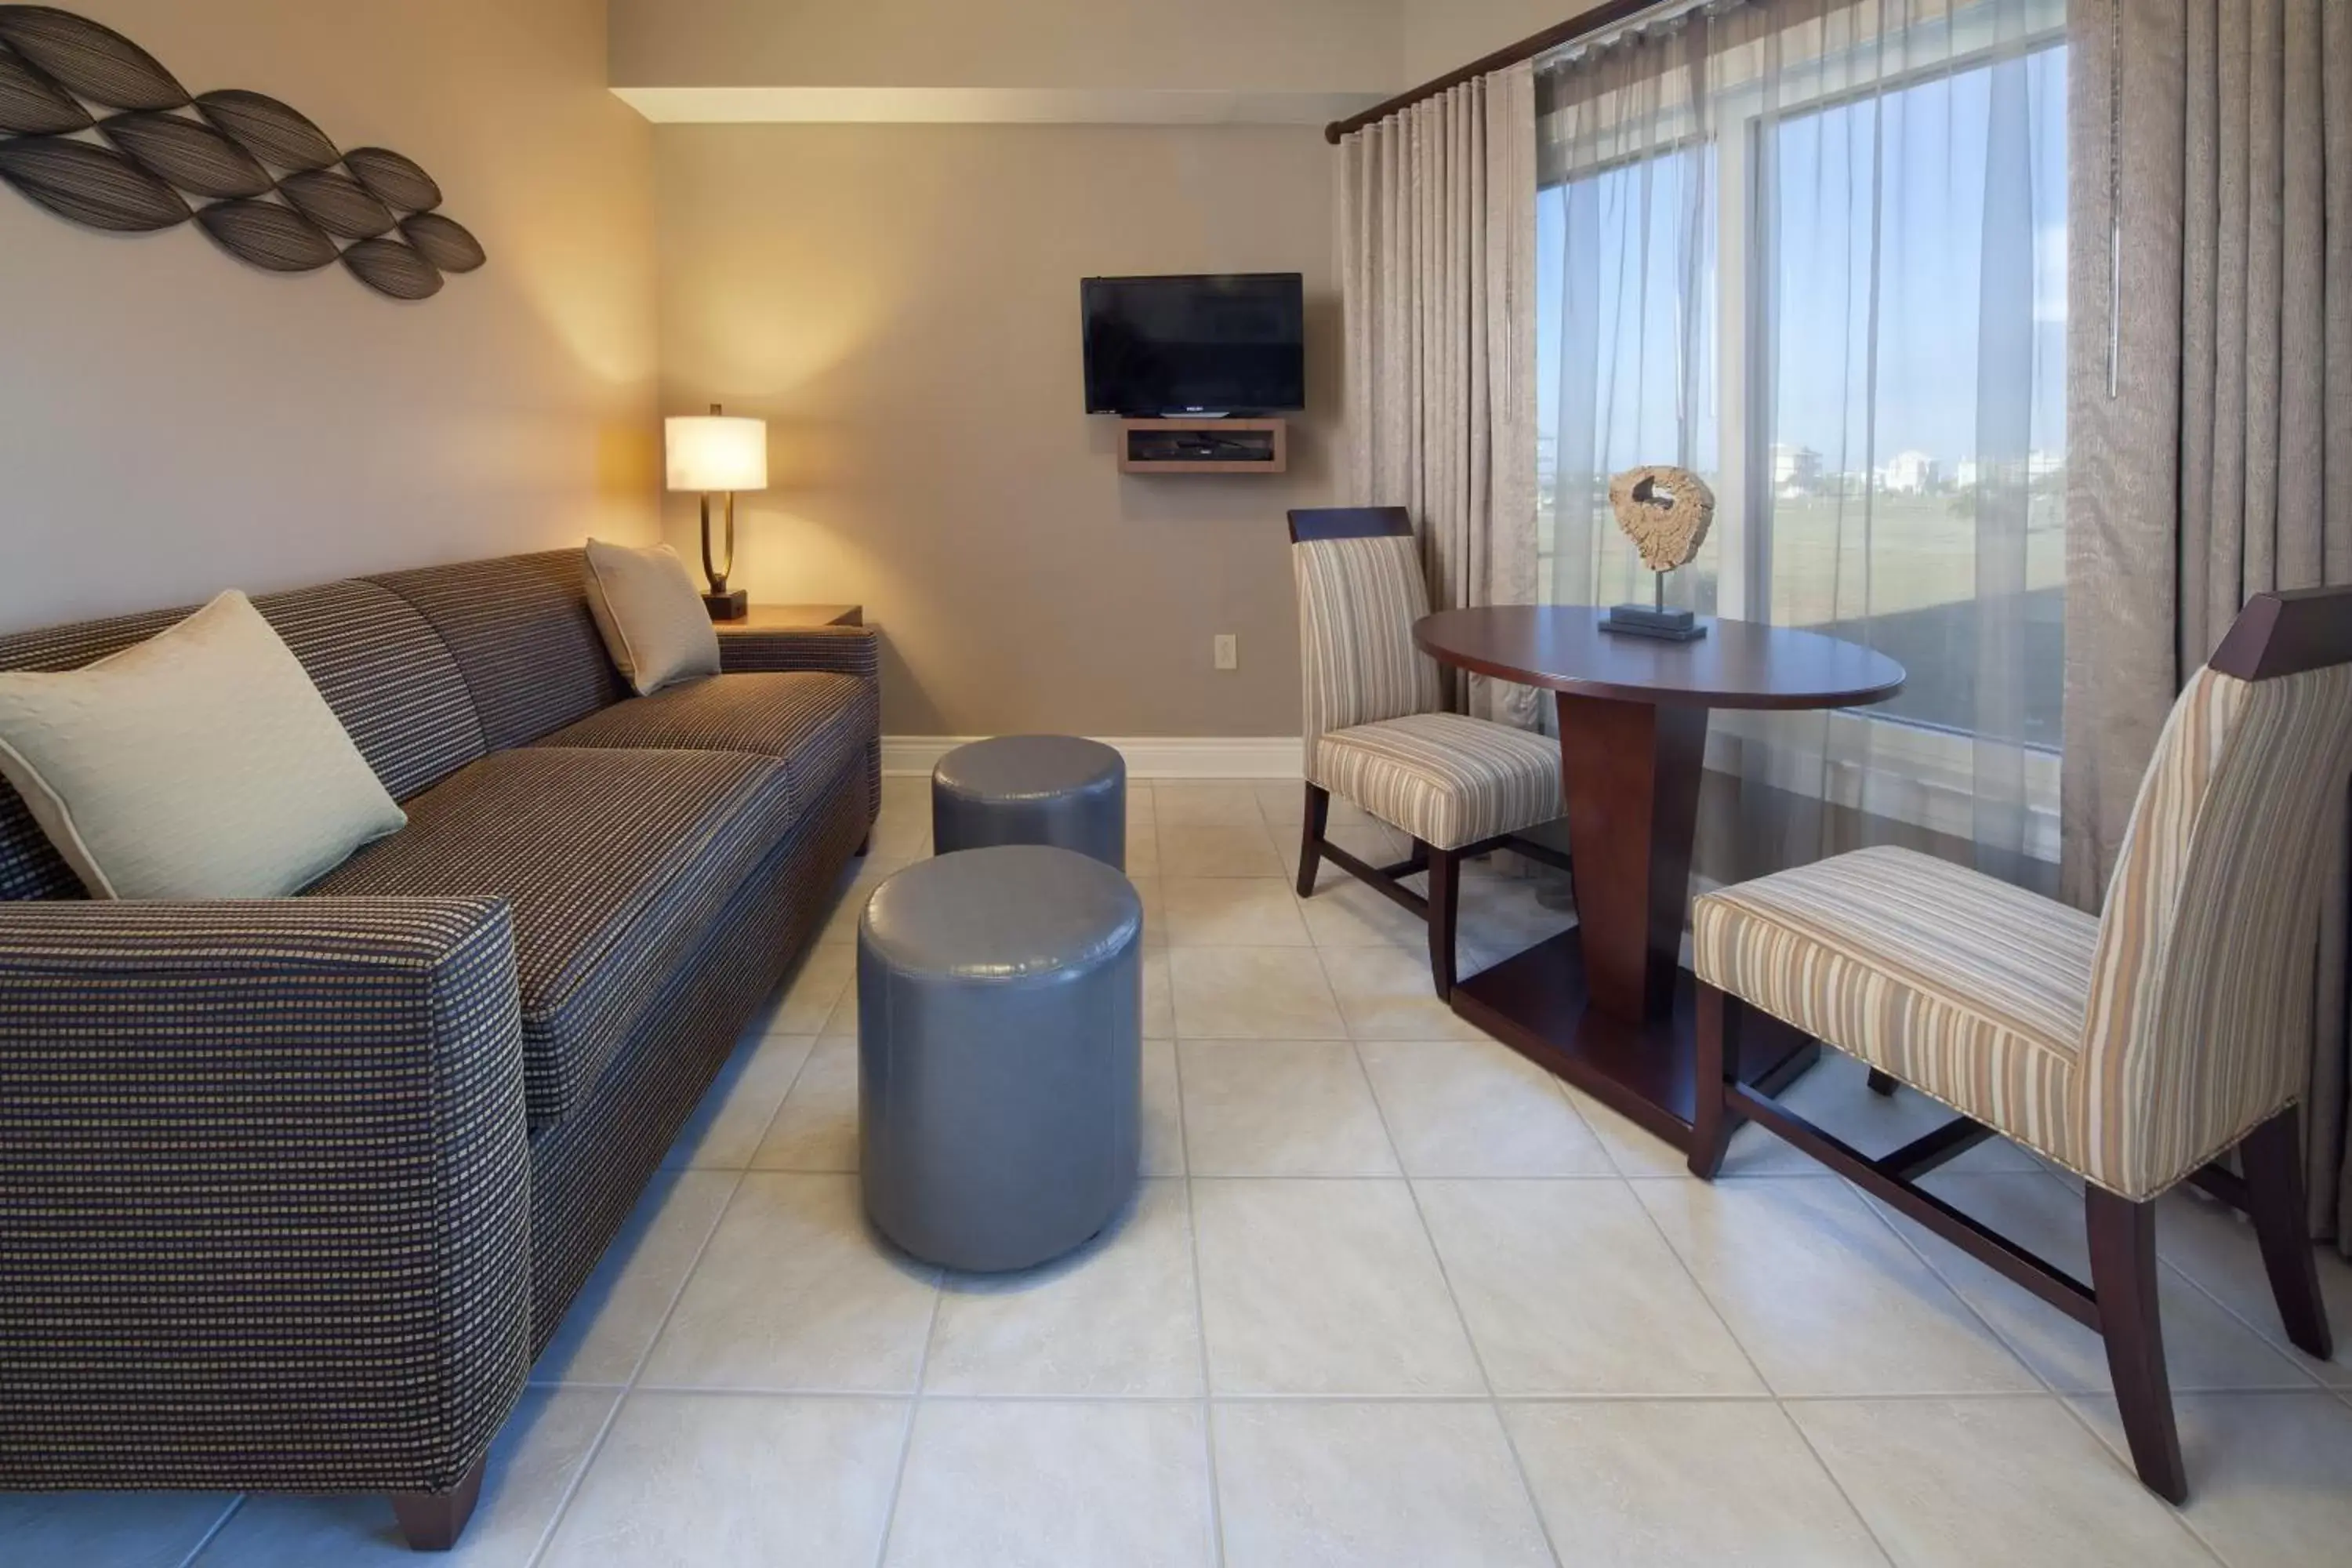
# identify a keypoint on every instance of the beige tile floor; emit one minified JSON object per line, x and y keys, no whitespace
{"x":1387,"y":1295}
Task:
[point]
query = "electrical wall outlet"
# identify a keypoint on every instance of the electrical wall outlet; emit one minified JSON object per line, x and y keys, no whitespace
{"x":1229,"y":651}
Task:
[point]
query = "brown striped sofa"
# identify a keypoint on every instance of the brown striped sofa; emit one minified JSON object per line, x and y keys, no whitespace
{"x":293,"y":1191}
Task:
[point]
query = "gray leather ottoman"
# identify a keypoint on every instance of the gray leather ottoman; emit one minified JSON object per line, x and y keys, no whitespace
{"x":1032,"y":789}
{"x":1000,"y":997}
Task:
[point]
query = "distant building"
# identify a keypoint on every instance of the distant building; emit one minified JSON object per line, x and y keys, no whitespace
{"x":1796,"y":470}
{"x":2038,"y":465}
{"x":1910,"y":474}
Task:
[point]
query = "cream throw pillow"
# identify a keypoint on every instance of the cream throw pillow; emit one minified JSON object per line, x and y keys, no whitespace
{"x":651,"y":616}
{"x":201,"y":764}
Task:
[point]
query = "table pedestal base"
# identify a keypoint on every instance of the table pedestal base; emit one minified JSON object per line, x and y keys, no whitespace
{"x":1536,"y":1003}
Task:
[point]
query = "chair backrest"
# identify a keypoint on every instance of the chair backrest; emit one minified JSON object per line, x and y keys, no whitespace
{"x":2199,"y":1023}
{"x":1360,"y":590}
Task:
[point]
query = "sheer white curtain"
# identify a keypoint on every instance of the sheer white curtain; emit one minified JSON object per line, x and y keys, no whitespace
{"x":1815,"y":249}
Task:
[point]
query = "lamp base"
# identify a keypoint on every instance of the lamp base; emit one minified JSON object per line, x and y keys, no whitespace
{"x":730,"y":606}
{"x":1642,"y":621}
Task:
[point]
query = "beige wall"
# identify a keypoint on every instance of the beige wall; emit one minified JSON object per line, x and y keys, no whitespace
{"x":1343,"y":45}
{"x":902,"y":303}
{"x":172,"y":422}
{"x":1440,"y":36}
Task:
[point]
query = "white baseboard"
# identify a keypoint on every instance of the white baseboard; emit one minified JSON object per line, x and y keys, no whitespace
{"x":1161,"y":757}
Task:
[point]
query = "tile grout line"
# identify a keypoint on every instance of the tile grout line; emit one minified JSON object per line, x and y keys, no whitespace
{"x":931,"y":1325}
{"x":2165,"y":1265}
{"x":1461,"y":1317}
{"x":2290,"y":1354}
{"x":1916,"y":1250}
{"x":637,"y":1368}
{"x":204,"y":1542}
{"x":2050,"y":1390}
{"x":1836,"y":1483}
{"x":914,"y":1408}
{"x":1780,"y":1402}
{"x":2131,"y":1473}
{"x":1200,"y":1308}
{"x":869,"y":1396}
{"x":578,"y":1478}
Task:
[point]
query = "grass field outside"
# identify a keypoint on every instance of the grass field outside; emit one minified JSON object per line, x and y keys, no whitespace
{"x":1900,"y":574}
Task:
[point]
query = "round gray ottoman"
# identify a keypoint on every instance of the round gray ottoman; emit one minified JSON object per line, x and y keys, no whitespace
{"x":1032,"y":789}
{"x":1000,"y":997}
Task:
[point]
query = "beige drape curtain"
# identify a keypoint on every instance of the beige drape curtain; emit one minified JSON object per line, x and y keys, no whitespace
{"x":2209,"y":400}
{"x":1437,"y":250}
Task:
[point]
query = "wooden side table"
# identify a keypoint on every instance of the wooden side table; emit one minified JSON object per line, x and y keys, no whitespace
{"x":793,"y":617}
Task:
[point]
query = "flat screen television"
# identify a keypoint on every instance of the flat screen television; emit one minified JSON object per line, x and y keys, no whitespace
{"x":1235,"y":344}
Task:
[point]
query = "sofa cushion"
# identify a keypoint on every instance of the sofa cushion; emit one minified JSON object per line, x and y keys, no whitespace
{"x":262,"y":791}
{"x":378,"y":664}
{"x":815,"y":723}
{"x":614,"y":861}
{"x":654,"y":623}
{"x":519,"y":630}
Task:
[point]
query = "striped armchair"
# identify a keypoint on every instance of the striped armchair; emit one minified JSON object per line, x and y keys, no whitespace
{"x":1377,"y":730}
{"x":2136,"y":1049}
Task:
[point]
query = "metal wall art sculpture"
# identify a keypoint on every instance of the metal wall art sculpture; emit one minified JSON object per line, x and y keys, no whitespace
{"x":92,"y":128}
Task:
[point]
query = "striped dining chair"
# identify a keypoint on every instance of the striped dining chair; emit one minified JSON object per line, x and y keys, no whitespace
{"x":1377,"y":733}
{"x":2136,"y":1050}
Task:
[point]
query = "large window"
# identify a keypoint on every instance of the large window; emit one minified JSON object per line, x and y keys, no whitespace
{"x":1826,"y":269}
{"x":1919,"y":459}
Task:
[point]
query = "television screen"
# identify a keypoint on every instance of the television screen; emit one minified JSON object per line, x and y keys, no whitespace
{"x":1230,"y":344}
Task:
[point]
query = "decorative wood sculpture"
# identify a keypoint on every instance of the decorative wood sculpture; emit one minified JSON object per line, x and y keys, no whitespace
{"x":276,"y":192}
{"x":1665,"y":512}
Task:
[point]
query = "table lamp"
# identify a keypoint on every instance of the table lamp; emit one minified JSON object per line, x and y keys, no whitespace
{"x":717,"y":456}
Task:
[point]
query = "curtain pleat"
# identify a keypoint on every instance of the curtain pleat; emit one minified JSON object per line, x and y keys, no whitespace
{"x":2219,"y":463}
{"x":1436,"y":264}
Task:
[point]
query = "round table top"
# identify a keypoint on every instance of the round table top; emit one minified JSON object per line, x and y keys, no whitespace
{"x":1738,"y":664}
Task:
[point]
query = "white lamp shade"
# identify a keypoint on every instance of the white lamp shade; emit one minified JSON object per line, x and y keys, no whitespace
{"x":710,"y":452}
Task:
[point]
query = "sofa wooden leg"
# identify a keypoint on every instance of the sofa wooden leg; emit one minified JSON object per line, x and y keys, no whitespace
{"x":1444,"y":910}
{"x":865,"y":845}
{"x":2123,"y":1278}
{"x":1883,"y":1083}
{"x":1714,"y":1075}
{"x":2272,"y":1156}
{"x":1310,"y":838}
{"x":432,"y":1522}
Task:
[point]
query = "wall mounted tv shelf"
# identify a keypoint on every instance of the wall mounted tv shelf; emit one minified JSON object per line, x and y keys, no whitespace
{"x":1204,"y":446}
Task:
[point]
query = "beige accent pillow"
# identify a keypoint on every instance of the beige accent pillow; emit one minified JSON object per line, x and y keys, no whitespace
{"x":653,"y":619}
{"x":201,"y":764}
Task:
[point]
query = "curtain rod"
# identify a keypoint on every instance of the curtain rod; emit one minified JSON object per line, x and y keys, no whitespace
{"x":1599,"y":19}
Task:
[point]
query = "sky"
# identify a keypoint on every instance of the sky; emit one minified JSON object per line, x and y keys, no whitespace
{"x":1906,"y":177}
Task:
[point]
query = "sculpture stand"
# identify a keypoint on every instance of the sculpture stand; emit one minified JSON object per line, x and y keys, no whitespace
{"x":1655,"y":620}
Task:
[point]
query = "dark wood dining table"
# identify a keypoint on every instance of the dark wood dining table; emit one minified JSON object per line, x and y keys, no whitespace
{"x":1607,"y":1005}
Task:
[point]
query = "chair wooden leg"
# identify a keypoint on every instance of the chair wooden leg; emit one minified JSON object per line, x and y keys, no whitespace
{"x":1713,"y":1073}
{"x":1310,"y":837}
{"x":1445,"y":907}
{"x":2123,"y":1276}
{"x":432,"y":1522}
{"x":2272,"y":1156}
{"x":1883,"y":1083}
